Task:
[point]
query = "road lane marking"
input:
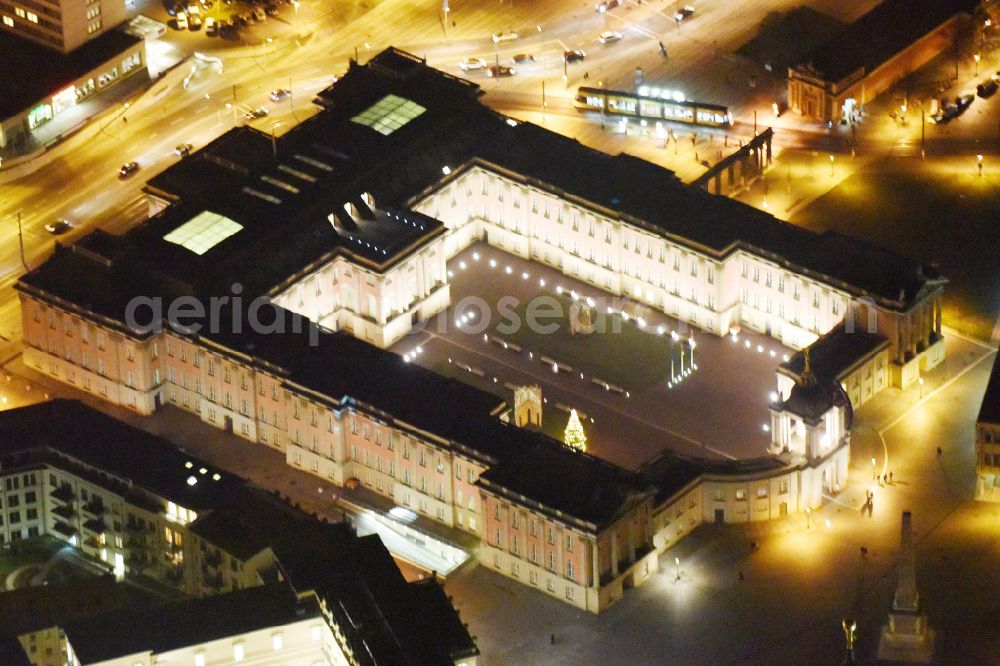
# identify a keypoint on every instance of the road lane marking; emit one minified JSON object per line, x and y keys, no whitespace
{"x":177,"y":122}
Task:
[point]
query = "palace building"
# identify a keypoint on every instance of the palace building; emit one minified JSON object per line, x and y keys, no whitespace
{"x":263,"y":296}
{"x":260,"y":568}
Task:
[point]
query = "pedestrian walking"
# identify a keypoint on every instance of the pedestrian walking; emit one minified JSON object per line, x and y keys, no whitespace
{"x":552,"y":639}
{"x":890,"y":478}
{"x":586,"y":75}
{"x":741,"y":575}
{"x":939,"y":451}
{"x":124,"y":120}
{"x":864,"y":552}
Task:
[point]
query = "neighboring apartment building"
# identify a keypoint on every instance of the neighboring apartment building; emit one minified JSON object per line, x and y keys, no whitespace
{"x":74,"y":49}
{"x":323,"y":223}
{"x":837,"y":79}
{"x":172,"y":517}
{"x":988,"y":441}
{"x":61,"y":25}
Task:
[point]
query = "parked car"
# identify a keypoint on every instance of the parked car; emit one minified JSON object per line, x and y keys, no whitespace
{"x":193,"y":8}
{"x":965,"y":100}
{"x":523,"y":59}
{"x":195,"y":21}
{"x":504,"y":36}
{"x":499,"y":71}
{"x":181,"y":21}
{"x":259,"y":112}
{"x":258,"y":14}
{"x":683,"y":13}
{"x":576,"y":55}
{"x":183,"y":150}
{"x":987,"y":88}
{"x":602,"y":7}
{"x":279,"y":94}
{"x":171,"y":8}
{"x":58,"y":227}
{"x":609,"y":36}
{"x":470,"y":64}
{"x":271,"y":10}
{"x":128,"y":169}
{"x":211,"y":27}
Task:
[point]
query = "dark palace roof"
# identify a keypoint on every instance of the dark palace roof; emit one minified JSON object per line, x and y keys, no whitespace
{"x":812,"y":401}
{"x":96,"y":439}
{"x":836,"y":352}
{"x":567,"y":481}
{"x":50,"y":70}
{"x":989,"y":412}
{"x":880,"y":34}
{"x":190,"y":622}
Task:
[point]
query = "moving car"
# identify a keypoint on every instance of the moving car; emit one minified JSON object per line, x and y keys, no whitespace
{"x":279,"y":94}
{"x":183,"y":150}
{"x":523,"y":59}
{"x":602,"y":7}
{"x":682,"y":14}
{"x":505,"y":36}
{"x":58,"y":227}
{"x":182,"y":21}
{"x":609,"y":36}
{"x":498,"y":71}
{"x":576,"y":55}
{"x":470,"y":64}
{"x":128,"y":169}
{"x":965,"y":100}
{"x":259,"y":112}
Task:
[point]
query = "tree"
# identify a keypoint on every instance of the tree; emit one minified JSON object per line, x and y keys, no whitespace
{"x":574,"y":436}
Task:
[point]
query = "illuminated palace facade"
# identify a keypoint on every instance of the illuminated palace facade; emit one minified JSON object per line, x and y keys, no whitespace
{"x":348,"y":224}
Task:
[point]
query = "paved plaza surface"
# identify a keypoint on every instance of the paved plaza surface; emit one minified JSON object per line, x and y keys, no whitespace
{"x":717,"y":411}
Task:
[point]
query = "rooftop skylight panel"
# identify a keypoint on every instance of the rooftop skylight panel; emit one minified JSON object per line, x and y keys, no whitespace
{"x":203,"y":232}
{"x":261,"y":195}
{"x":305,"y":159}
{"x":280,"y":183}
{"x":301,"y":175}
{"x":389,"y":114}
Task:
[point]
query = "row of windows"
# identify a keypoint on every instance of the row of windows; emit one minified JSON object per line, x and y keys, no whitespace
{"x":720,"y":494}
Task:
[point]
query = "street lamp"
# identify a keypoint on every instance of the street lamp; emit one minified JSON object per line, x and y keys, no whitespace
{"x":920,"y":383}
{"x":976,"y":58}
{"x":831,"y":166}
{"x":979,"y":163}
{"x":808,"y":521}
{"x":874,"y":464}
{"x":677,"y":566}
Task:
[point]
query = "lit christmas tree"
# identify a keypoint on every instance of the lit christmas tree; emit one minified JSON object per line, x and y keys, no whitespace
{"x":574,"y":437}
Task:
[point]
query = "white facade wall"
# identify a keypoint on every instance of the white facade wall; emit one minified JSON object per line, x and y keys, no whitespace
{"x":712,"y":293}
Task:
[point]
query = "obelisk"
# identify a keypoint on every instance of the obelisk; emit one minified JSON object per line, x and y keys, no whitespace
{"x":906,"y":637}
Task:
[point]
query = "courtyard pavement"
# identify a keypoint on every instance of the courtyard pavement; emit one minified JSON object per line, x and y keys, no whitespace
{"x":717,"y":411}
